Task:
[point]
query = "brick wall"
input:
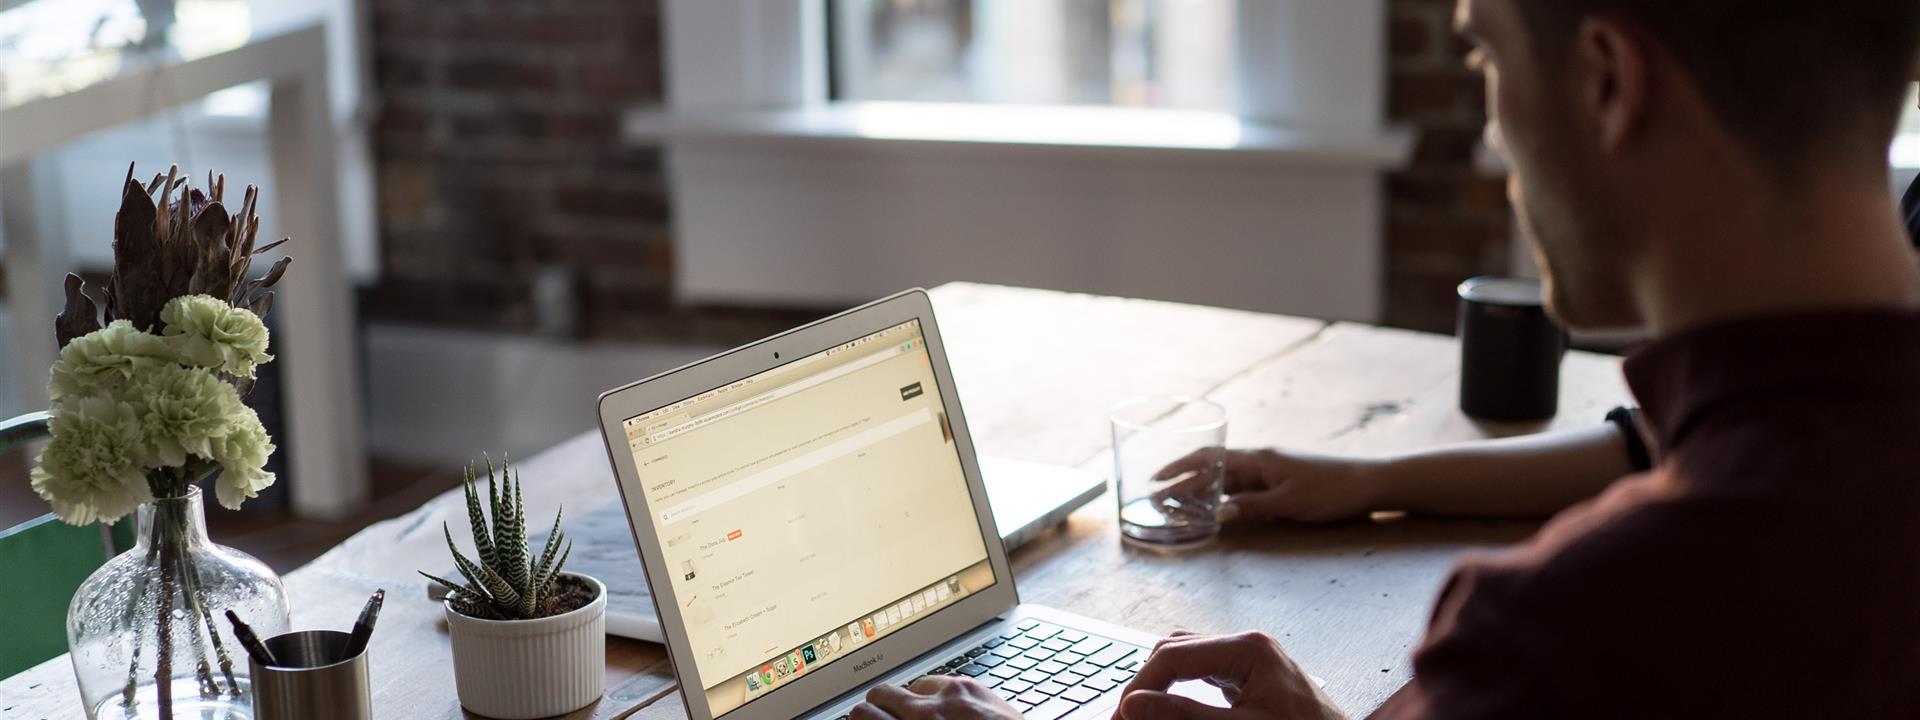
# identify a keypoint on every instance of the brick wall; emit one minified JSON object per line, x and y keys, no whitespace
{"x":498,"y":151}
{"x":1445,"y":221}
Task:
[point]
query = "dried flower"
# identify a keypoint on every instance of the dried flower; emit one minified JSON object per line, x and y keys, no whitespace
{"x":150,"y":402}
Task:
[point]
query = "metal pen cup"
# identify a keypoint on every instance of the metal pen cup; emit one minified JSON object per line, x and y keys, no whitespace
{"x":313,"y":681}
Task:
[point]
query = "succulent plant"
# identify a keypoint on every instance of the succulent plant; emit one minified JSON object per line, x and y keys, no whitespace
{"x":506,"y":582}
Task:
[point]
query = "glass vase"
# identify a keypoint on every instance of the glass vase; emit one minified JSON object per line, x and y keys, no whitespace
{"x":148,"y":630}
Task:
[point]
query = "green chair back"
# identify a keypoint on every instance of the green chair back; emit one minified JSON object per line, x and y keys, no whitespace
{"x":45,"y":561}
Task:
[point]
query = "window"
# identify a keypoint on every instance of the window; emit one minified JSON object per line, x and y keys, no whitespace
{"x":1910,"y":123}
{"x":1132,"y":53}
{"x":53,"y":47}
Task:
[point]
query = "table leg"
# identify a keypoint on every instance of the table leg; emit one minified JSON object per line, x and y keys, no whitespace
{"x":35,"y":265}
{"x":318,"y":342}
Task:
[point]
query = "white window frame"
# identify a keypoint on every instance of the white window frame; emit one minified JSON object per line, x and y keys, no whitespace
{"x":1295,"y":190}
{"x":1314,"y":65}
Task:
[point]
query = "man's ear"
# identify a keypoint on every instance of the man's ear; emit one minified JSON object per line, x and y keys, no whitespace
{"x":1610,"y":65}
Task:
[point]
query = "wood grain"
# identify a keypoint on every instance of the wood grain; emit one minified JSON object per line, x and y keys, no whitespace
{"x":1036,"y":372}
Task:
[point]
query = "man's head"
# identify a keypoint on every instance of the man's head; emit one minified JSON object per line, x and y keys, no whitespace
{"x":1606,"y":108}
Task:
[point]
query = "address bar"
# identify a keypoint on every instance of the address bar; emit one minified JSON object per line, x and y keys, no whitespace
{"x":776,"y":394}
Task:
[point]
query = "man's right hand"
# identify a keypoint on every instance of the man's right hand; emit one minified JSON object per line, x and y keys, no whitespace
{"x":1251,"y":670}
{"x":1276,"y":485}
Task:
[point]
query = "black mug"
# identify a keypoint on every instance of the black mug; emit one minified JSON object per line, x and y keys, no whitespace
{"x":1510,"y":351}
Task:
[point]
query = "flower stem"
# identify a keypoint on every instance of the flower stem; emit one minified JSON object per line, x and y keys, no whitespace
{"x":163,"y":656}
{"x":202,"y":669}
{"x":133,"y":608}
{"x":196,"y":600}
{"x":190,"y":595}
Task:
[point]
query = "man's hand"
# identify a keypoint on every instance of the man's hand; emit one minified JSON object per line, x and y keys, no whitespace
{"x":1250,"y":669}
{"x":1273,"y":485}
{"x":934,"y":698}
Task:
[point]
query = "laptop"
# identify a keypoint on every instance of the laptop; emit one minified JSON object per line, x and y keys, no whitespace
{"x":813,"y":522}
{"x":1028,"y":499}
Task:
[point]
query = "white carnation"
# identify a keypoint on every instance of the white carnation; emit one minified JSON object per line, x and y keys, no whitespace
{"x":182,"y":410}
{"x":242,"y":453}
{"x":104,"y":360}
{"x":212,"y":334}
{"x":93,"y":470}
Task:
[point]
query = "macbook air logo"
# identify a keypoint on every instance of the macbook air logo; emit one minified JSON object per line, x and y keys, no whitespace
{"x":867,"y":663}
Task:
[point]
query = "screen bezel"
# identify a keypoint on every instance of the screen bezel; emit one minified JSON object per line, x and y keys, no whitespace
{"x":834,"y":679}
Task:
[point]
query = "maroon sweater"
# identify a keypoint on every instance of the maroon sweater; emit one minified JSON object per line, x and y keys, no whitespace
{"x":1768,"y":566}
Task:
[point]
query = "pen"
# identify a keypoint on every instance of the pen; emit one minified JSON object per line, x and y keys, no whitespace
{"x":363,"y":627}
{"x":251,"y":641}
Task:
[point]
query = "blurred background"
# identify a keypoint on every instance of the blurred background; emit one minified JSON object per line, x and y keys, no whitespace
{"x":501,"y":208}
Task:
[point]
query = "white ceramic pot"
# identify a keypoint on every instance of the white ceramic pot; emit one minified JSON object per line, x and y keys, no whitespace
{"x":518,"y":669}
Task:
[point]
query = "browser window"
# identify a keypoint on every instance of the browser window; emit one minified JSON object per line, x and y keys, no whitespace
{"x":808,"y":510}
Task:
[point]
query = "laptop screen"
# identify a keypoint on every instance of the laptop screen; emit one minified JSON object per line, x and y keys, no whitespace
{"x":808,"y":510}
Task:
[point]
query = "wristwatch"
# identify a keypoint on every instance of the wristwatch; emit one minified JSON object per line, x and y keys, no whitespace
{"x":1628,"y":420}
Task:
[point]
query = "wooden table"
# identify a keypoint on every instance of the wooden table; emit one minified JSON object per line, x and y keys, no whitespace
{"x":1037,"y":371}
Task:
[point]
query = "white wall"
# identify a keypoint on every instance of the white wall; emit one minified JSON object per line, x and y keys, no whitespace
{"x":772,"y":222}
{"x":444,"y":396}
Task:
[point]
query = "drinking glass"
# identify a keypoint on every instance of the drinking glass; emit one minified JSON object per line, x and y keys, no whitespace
{"x":1169,"y":460}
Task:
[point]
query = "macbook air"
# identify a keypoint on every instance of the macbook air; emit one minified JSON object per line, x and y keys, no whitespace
{"x":1028,"y":500}
{"x":813,"y":522}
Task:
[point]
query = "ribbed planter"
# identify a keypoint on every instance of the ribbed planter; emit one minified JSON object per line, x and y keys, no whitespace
{"x":520,"y":669}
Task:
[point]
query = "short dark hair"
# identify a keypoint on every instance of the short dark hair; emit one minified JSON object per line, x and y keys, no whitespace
{"x":1788,"y":77}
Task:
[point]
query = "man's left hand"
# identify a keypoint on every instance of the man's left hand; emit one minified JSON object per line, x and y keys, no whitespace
{"x":934,"y":698}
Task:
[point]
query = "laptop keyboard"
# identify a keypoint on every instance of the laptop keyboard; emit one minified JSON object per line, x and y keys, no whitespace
{"x":1045,"y":670}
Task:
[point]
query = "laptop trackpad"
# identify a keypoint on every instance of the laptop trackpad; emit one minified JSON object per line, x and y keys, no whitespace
{"x":1200,"y":691}
{"x":1205,"y":693}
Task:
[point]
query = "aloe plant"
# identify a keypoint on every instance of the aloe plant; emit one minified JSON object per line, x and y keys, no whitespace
{"x":506,"y":582}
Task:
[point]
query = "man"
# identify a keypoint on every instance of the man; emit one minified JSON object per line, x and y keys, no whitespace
{"x":1715,"y":171}
{"x":1528,"y":476}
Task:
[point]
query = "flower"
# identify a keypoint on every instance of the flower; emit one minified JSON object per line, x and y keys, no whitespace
{"x":92,"y":471}
{"x":242,"y":454}
{"x":181,"y":410}
{"x":105,"y":359}
{"x":212,"y":334}
{"x":128,"y":404}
